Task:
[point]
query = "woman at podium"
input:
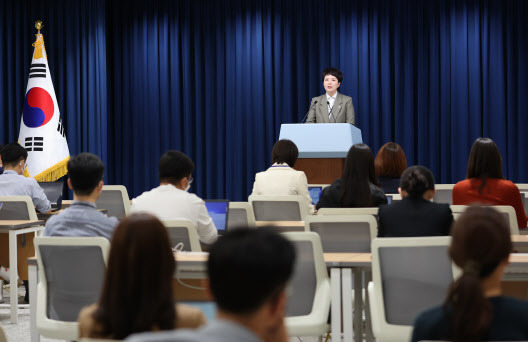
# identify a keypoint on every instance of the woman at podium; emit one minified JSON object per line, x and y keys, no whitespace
{"x":331,"y":107}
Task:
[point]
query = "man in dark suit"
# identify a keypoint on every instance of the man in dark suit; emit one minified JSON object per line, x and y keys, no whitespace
{"x":331,"y":107}
{"x":415,"y":215}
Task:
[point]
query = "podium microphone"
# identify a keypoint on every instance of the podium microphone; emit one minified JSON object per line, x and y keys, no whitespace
{"x":313,"y":104}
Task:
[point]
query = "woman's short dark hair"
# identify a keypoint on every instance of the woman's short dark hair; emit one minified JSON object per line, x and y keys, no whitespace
{"x":357,"y":176}
{"x":390,"y":161}
{"x":484,"y":161}
{"x":284,"y":151}
{"x":334,"y":72}
{"x":480,"y":242}
{"x":137,"y":289}
{"x":416,"y":180}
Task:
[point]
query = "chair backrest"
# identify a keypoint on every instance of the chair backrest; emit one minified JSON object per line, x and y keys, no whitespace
{"x":348,"y":211}
{"x":53,"y":190}
{"x":444,"y":193}
{"x":240,"y":215}
{"x":17,"y":208}
{"x":71,"y":272}
{"x":506,"y":210}
{"x":183,"y":233}
{"x":343,"y":233}
{"x":278,"y":208}
{"x":3,"y":337}
{"x":409,"y":276}
{"x":309,"y":287}
{"x":114,"y":198}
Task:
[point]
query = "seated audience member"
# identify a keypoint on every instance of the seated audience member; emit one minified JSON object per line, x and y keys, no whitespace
{"x":415,"y":214}
{"x":85,"y":172}
{"x":137,"y":291}
{"x":485,"y":183}
{"x":251,"y":310}
{"x":475,"y":309}
{"x":13,"y":183}
{"x":358,"y":186}
{"x":281,"y":178}
{"x":171,"y":201}
{"x":390,"y":163}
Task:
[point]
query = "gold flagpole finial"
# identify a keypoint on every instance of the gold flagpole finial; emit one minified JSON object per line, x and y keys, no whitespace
{"x":38,"y":25}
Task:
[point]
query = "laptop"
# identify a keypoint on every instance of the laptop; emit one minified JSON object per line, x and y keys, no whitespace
{"x":219,"y":211}
{"x":315,"y":193}
{"x":53,"y":191}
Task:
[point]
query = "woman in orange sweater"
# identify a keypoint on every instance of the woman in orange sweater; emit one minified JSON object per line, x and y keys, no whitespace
{"x":485,"y":183}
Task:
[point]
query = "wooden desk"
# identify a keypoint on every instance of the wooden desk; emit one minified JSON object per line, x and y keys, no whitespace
{"x":15,"y":228}
{"x":283,"y":226}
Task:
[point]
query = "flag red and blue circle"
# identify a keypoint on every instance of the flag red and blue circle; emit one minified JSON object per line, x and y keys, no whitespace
{"x":38,"y":107}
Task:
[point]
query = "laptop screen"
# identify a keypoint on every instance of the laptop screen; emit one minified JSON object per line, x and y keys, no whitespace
{"x":315,"y":193}
{"x":218,"y":210}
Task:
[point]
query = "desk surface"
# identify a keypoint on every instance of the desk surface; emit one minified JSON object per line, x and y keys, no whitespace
{"x":19,"y":224}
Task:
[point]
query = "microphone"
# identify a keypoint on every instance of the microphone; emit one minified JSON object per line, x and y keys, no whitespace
{"x":313,"y":104}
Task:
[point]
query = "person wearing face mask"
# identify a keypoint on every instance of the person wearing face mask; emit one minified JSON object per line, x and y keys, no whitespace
{"x":331,"y":107}
{"x":13,"y":183}
{"x":172,"y":201}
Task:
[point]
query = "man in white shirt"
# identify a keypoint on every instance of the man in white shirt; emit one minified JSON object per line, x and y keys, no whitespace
{"x":171,"y":201}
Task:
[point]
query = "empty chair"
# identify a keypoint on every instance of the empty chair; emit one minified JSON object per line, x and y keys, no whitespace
{"x":444,"y":193}
{"x":409,"y":276}
{"x":278,"y":208}
{"x":506,"y":210}
{"x":343,"y":233}
{"x":240,"y":215}
{"x":348,"y":211}
{"x":183,"y":235}
{"x":309,"y":303}
{"x":17,"y":208}
{"x":114,"y":198}
{"x":71,"y":273}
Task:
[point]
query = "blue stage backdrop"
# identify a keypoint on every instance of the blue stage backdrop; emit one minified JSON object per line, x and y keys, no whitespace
{"x":216,"y":79}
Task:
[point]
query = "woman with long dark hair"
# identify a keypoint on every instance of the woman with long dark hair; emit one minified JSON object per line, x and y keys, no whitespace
{"x":390,"y":163}
{"x":358,"y":187}
{"x":137,"y":289}
{"x":475,"y":309}
{"x":485,"y":182}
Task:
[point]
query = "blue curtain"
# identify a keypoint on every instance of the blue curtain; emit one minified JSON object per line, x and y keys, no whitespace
{"x":216,"y":79}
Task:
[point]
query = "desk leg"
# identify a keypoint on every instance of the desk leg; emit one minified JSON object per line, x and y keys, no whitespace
{"x":13,"y":284}
{"x":369,"y":335}
{"x":358,"y":305}
{"x":335,"y":282}
{"x":346,"y":274}
{"x":33,"y":280}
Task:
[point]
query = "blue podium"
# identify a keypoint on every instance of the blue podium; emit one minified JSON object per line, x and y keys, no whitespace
{"x":322,"y":148}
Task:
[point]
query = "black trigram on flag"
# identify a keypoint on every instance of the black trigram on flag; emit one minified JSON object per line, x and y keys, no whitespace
{"x":37,"y":70}
{"x":60,"y":128}
{"x":34,"y":144}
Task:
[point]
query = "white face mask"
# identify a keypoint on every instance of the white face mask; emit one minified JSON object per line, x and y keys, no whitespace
{"x":188,"y":184}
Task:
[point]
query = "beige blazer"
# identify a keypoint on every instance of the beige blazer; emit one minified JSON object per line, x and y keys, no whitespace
{"x":279,"y":180}
{"x":186,"y":317}
{"x":343,"y":110}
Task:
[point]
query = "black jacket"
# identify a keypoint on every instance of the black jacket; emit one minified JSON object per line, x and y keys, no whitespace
{"x":414,"y":217}
{"x":389,"y":185}
{"x":330,"y":196}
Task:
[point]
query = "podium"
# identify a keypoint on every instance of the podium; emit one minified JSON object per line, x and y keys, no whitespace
{"x":322,"y":148}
